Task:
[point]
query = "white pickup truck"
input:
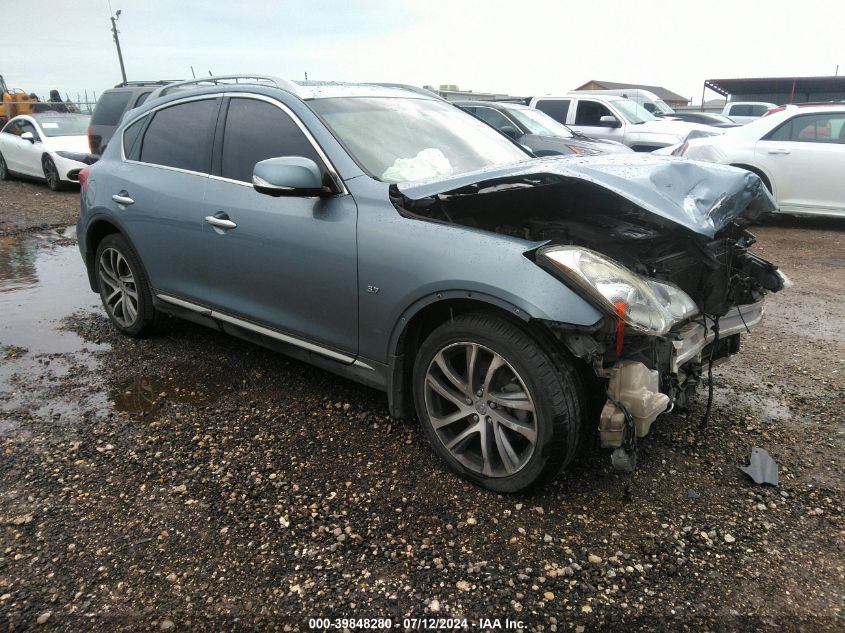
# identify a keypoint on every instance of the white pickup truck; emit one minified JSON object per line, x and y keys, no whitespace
{"x":617,"y":119}
{"x":747,"y":111}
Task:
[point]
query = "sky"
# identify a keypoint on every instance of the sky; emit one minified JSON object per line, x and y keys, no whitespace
{"x":524,"y":47}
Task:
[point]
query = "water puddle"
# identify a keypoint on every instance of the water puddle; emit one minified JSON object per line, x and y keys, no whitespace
{"x":42,"y":281}
{"x":142,"y":393}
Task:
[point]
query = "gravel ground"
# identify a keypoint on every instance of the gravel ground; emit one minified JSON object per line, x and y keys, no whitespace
{"x":27,"y":205}
{"x":194,"y":481}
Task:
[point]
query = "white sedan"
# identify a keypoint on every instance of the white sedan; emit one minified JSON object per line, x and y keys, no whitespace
{"x":50,"y":145}
{"x":799,"y":153}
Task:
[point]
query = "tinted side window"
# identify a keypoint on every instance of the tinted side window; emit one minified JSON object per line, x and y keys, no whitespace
{"x":494,"y":118}
{"x":555,"y":108}
{"x":130,"y":149}
{"x":144,"y":96}
{"x":783,"y":133}
{"x":255,"y":131}
{"x":110,"y":107}
{"x":759,"y":110}
{"x":12,"y":128}
{"x":26,"y":126}
{"x":179,"y":136}
{"x":590,"y":112}
{"x":740,"y":110}
{"x":819,"y":128}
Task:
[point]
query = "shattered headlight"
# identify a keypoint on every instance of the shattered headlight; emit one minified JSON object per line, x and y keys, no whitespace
{"x":645,"y":304}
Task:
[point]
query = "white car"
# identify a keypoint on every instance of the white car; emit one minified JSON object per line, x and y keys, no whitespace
{"x":51,"y":145}
{"x":799,"y":153}
{"x":616,"y":118}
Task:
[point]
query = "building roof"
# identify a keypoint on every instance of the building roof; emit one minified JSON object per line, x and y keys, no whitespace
{"x":771,"y":85}
{"x":663,"y":93}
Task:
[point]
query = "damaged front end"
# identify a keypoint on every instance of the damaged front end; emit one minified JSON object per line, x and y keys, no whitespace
{"x":659,"y":245}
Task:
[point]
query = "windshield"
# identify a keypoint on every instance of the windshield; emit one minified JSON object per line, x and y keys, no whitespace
{"x":662,"y":106}
{"x":633,"y":111}
{"x":61,"y":126}
{"x":398,"y":139}
{"x":539,"y":122}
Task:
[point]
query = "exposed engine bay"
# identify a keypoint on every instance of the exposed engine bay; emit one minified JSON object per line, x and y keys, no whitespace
{"x":676,"y":222}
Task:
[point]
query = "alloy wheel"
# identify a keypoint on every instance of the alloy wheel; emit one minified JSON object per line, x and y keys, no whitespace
{"x":51,"y":174}
{"x":120,"y":293}
{"x":481,"y":409}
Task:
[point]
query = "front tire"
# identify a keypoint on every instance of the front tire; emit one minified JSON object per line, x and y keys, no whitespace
{"x":124,"y":288}
{"x":498,"y":409}
{"x":51,"y":174}
{"x":4,"y":169}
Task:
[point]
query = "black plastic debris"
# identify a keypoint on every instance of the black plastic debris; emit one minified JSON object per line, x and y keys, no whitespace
{"x":761,"y":467}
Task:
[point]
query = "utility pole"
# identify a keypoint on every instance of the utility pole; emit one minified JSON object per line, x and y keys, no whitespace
{"x":114,"y":31}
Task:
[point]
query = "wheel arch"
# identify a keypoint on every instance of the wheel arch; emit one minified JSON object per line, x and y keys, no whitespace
{"x":96,"y":231}
{"x":428,"y":313}
{"x":767,"y":181}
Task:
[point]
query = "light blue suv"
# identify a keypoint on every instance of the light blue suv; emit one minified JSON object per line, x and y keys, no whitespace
{"x":387,"y":236}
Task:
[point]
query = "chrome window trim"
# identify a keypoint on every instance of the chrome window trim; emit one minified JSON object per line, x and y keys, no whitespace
{"x":236,"y":95}
{"x":260,"y":329}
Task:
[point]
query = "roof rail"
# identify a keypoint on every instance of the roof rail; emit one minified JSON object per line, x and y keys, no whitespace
{"x":418,"y":90}
{"x":261,"y":80}
{"x":156,"y":82}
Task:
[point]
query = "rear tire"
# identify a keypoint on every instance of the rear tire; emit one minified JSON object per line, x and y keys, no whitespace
{"x":124,"y":288}
{"x":508,"y":429}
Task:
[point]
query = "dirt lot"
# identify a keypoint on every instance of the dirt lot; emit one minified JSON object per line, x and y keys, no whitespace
{"x":194,"y":481}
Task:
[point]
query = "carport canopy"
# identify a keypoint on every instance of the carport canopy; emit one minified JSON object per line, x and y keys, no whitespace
{"x":776,"y":85}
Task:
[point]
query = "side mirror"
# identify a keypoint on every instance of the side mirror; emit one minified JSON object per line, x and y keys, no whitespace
{"x":28,"y":136}
{"x":608,"y":121}
{"x":289,"y":176}
{"x":510,"y":131}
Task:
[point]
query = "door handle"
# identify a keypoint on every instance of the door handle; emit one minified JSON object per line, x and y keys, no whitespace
{"x":123,"y":198}
{"x":778,"y":151}
{"x":220,"y":223}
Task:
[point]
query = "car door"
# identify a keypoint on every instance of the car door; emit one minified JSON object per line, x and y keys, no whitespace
{"x":287,"y":263}
{"x":159,"y":191}
{"x":588,"y":114}
{"x":804,"y":157}
{"x":23,"y":156}
{"x":9,"y":146}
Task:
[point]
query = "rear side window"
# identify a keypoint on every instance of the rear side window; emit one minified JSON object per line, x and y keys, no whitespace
{"x":110,"y":107}
{"x":12,"y":128}
{"x":255,"y":131}
{"x":144,"y":96}
{"x":812,"y":128}
{"x":179,"y":136}
{"x":740,"y":110}
{"x":130,"y":149}
{"x":555,"y":108}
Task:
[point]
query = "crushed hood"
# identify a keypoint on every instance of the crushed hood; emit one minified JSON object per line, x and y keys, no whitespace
{"x":701,"y":197}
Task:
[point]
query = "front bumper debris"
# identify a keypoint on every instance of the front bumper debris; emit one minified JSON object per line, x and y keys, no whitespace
{"x":634,"y":396}
{"x":694,"y":336}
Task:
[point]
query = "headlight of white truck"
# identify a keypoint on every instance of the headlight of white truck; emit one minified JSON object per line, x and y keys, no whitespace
{"x":645,"y":304}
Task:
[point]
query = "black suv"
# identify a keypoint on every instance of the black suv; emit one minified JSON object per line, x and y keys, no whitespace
{"x":112,"y":104}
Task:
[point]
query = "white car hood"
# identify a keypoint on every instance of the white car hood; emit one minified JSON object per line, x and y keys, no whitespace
{"x":67,"y":144}
{"x":675,"y":128}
